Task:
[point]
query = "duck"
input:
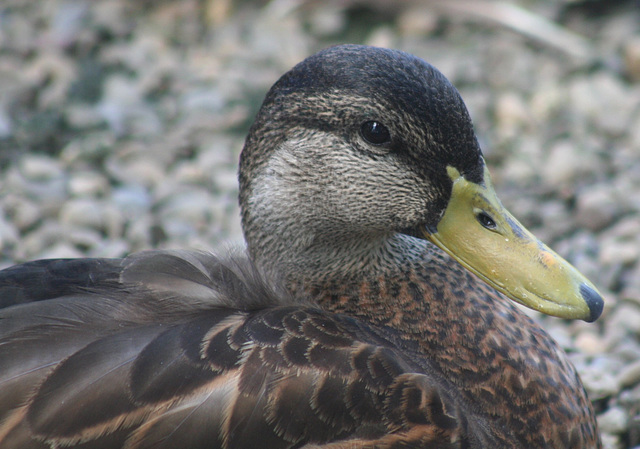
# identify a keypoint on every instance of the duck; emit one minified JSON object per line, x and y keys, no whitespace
{"x":374,"y":305}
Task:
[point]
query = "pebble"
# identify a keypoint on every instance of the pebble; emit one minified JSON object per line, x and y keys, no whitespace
{"x":604,"y":101}
{"x":621,"y":243}
{"x":142,"y":169}
{"x":226,"y":181}
{"x":6,"y":123}
{"x":19,"y":35}
{"x":140,"y":234}
{"x":614,"y":420}
{"x":40,"y":168}
{"x":9,"y":235}
{"x":626,"y":228}
{"x":62,"y":250}
{"x":24,"y":212}
{"x":631,"y":51}
{"x":188,"y":209}
{"x":625,"y":320}
{"x":590,"y":343}
{"x":124,"y":109}
{"x":114,"y":16}
{"x":110,"y":248}
{"x":511,"y":115}
{"x":87,"y":184}
{"x":91,"y":148}
{"x":418,"y":20}
{"x":611,"y":441}
{"x":189,"y":173}
{"x":565,"y":163}
{"x":54,"y":72}
{"x":114,"y":221}
{"x":547,"y":101}
{"x":83,"y":238}
{"x":597,"y":206}
{"x":67,"y":22}
{"x":631,"y":282}
{"x":556,"y":219}
{"x":40,"y":178}
{"x":599,"y":379}
{"x":81,"y":212}
{"x":618,"y":251}
{"x":82,"y":116}
{"x":630,"y":375}
{"x":132,"y":200}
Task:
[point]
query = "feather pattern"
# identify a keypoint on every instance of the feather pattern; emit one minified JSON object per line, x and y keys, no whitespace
{"x":271,"y":377}
{"x":340,"y":326}
{"x":186,"y":370}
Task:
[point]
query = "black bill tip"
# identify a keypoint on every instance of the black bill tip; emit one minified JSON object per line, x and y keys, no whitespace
{"x":593,"y":300}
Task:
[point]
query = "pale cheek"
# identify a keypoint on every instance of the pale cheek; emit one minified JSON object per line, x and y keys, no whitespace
{"x":340,"y":187}
{"x":395,"y":205}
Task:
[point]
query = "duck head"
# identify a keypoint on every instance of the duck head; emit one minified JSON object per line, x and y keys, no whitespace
{"x":357,"y":147}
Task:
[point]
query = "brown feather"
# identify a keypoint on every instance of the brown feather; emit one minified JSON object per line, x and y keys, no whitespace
{"x":339,"y":329}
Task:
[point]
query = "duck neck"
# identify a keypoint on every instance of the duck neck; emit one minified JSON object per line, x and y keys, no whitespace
{"x":379,"y":280}
{"x":317,"y":262}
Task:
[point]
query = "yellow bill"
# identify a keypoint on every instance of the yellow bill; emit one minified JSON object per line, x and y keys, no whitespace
{"x":486,"y":239}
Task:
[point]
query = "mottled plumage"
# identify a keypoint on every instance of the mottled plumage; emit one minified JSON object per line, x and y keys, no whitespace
{"x":341,"y":327}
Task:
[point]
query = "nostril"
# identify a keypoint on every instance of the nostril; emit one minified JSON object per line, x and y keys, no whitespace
{"x":593,"y":300}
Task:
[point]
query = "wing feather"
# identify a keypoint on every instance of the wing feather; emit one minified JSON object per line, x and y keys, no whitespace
{"x":106,"y":365}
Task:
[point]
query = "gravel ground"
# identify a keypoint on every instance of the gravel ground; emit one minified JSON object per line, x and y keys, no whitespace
{"x":121,"y":123}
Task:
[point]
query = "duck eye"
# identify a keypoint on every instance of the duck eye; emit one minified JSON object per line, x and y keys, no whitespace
{"x":375,"y":133}
{"x":486,"y":221}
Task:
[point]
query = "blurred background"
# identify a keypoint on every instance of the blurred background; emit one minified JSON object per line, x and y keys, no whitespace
{"x":121,"y":123}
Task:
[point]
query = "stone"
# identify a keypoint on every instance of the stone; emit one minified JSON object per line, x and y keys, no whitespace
{"x":630,"y":375}
{"x":613,"y":420}
{"x":631,"y":52}
{"x":81,"y":212}
{"x":597,"y":206}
